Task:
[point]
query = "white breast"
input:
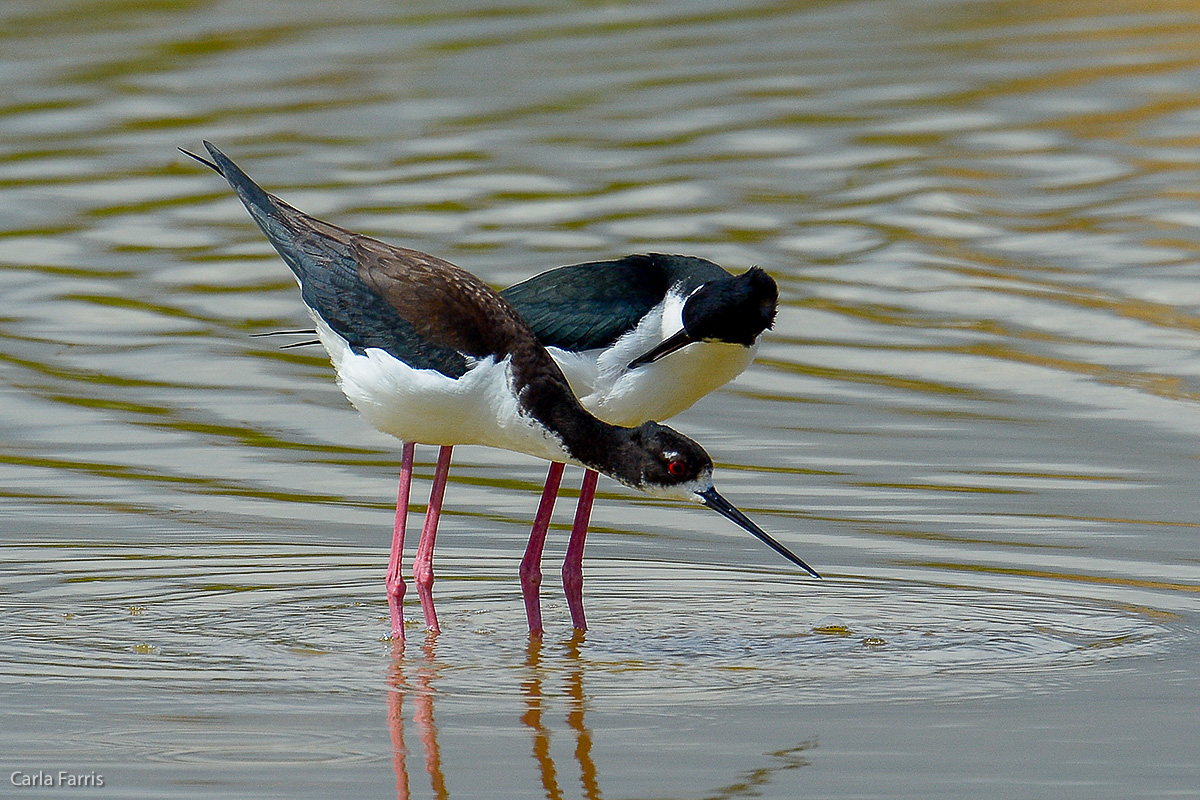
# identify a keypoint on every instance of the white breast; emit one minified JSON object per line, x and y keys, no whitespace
{"x":606,"y":386}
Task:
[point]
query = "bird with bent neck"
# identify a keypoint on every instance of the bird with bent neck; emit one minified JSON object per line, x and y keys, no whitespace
{"x":429,"y":353}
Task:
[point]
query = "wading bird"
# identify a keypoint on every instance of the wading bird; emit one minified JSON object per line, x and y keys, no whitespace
{"x":429,"y":353}
{"x":639,"y":338}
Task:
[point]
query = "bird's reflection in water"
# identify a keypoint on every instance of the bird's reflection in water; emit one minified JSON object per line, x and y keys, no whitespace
{"x":409,"y":679}
{"x":416,"y":679}
{"x":532,"y":718}
{"x":421,"y":689}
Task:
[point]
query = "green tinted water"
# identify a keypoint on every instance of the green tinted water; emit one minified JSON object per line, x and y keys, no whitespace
{"x":976,"y":415}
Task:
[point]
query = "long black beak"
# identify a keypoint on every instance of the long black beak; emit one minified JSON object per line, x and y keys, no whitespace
{"x":665,"y":348}
{"x":726,"y":509}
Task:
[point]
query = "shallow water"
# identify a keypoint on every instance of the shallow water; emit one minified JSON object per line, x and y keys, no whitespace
{"x":977,"y":415}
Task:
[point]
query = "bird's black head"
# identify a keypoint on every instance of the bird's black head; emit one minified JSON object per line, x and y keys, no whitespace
{"x":663,"y":461}
{"x":735,"y":309}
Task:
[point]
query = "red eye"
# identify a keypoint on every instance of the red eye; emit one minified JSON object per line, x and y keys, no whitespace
{"x":677,"y":468}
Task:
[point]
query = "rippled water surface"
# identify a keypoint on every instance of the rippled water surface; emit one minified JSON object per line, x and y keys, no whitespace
{"x":977,"y":414}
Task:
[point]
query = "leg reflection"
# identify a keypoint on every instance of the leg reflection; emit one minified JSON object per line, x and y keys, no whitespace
{"x":532,"y":718}
{"x":575,"y":718}
{"x":424,"y":719}
{"x":535,"y":702}
{"x":548,"y":680}
{"x":422,"y":691}
{"x":396,"y":718}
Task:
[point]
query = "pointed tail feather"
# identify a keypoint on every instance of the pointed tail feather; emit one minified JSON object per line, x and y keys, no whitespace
{"x":202,"y":160}
{"x":254,"y":196}
{"x":282,"y":224}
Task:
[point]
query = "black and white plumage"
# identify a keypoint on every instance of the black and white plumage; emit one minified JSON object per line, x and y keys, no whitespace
{"x":429,"y":353}
{"x":611,"y":325}
{"x":640,"y":338}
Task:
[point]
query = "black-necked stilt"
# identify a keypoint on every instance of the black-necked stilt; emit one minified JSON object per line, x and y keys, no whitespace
{"x":611,"y":325}
{"x":429,"y":353}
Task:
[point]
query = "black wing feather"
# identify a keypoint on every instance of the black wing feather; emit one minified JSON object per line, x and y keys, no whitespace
{"x":591,"y":305}
{"x":323,"y":259}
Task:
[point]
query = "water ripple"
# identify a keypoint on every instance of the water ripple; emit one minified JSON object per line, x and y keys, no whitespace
{"x":976,"y":412}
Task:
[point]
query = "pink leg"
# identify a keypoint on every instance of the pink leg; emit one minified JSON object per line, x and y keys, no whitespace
{"x":395,"y":581}
{"x":531,"y":564}
{"x":423,"y":562}
{"x":572,"y":572}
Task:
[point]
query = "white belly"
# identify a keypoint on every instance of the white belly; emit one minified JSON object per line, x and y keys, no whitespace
{"x":425,"y":406}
